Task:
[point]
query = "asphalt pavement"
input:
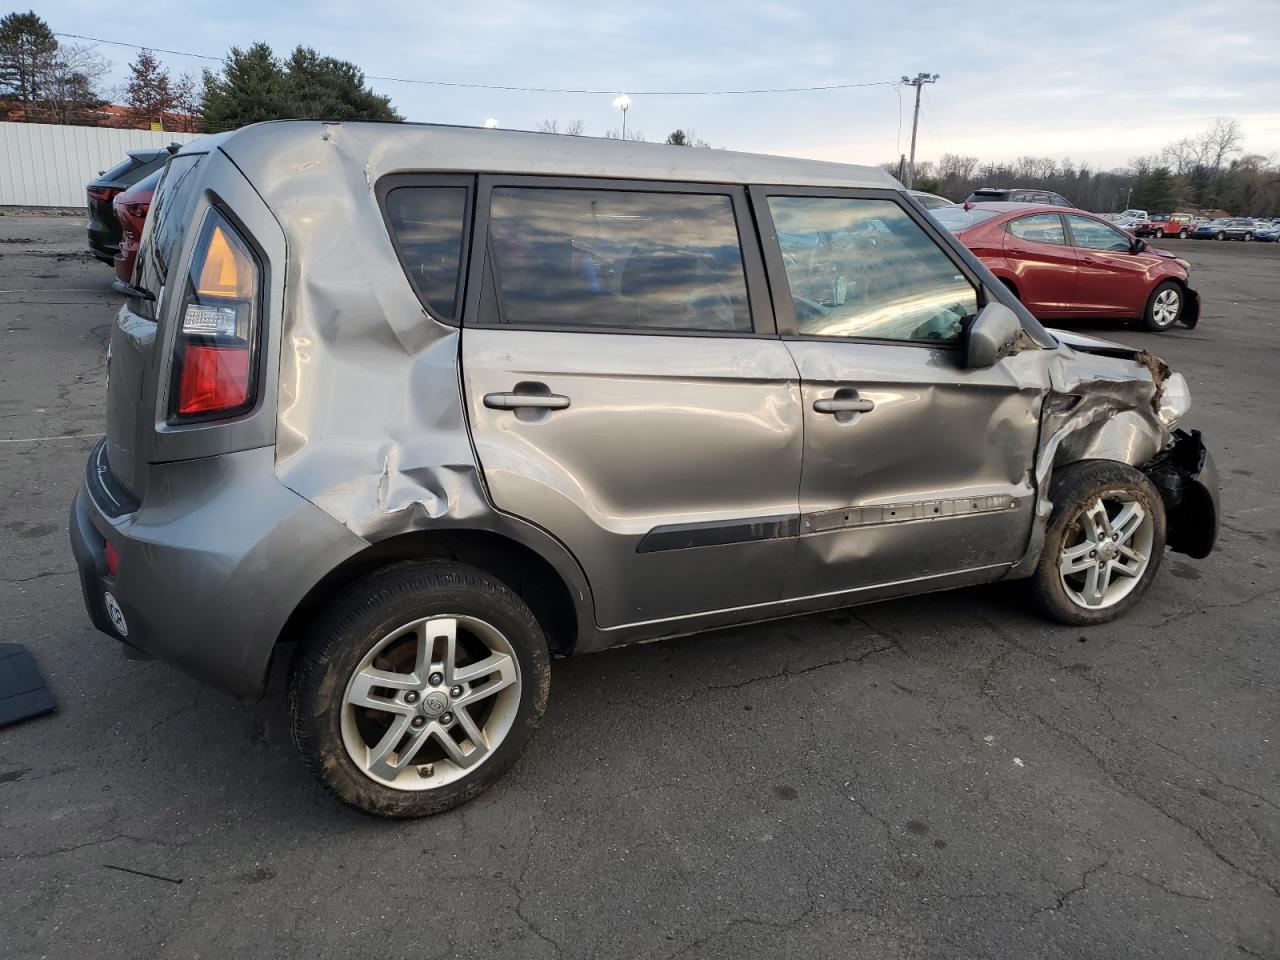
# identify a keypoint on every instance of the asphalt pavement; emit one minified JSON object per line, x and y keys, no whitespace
{"x":947,"y":776}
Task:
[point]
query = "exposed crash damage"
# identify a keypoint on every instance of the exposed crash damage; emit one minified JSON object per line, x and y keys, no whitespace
{"x":1112,"y":402}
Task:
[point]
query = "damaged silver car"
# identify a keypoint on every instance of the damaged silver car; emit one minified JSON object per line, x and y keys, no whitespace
{"x":407,"y":410}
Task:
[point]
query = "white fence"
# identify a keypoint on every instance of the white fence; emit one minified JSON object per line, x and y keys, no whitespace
{"x":45,"y":165}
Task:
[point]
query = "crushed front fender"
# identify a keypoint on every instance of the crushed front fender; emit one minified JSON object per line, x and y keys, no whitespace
{"x":1187,"y":479}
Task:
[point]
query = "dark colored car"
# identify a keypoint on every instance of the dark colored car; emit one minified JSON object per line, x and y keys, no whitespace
{"x":1018,"y":195}
{"x":131,"y":210}
{"x":1163,"y":225}
{"x":104,"y":228}
{"x":1069,"y":263}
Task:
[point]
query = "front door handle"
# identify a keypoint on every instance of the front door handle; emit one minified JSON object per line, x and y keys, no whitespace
{"x":844,"y":405}
{"x":523,"y":401}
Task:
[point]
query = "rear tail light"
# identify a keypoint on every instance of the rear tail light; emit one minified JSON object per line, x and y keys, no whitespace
{"x":216,"y":345}
{"x":103,"y":194}
{"x":136,"y":210}
{"x":112,"y":553}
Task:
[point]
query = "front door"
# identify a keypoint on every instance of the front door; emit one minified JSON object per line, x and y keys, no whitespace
{"x":1112,"y":279}
{"x":914,"y":467}
{"x":627,"y":391}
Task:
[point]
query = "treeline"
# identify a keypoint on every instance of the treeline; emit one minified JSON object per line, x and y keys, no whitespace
{"x":45,"y":81}
{"x":1204,"y":172}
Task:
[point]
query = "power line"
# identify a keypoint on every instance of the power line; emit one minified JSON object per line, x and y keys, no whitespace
{"x":512,"y":88}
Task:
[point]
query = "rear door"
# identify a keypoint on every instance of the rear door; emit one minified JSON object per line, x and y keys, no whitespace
{"x":1036,"y":247}
{"x":915,"y":468}
{"x":627,"y":391}
{"x":1112,"y":278}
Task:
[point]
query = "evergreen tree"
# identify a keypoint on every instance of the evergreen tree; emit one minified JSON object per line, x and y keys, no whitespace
{"x":27,"y":48}
{"x":325,"y":88}
{"x":250,"y":87}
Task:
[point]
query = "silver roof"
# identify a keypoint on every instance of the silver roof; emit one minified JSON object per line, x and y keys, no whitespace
{"x":405,"y":147}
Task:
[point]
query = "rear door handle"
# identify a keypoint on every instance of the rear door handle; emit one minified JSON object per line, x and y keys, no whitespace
{"x":522,"y":401}
{"x":841,"y":405}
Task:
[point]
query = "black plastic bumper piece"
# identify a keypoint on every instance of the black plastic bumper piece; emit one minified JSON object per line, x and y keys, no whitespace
{"x":1187,"y":479}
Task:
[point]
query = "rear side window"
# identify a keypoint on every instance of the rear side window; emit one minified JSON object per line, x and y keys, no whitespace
{"x":1040,"y":228}
{"x":428,"y":225}
{"x":168,"y":220}
{"x":864,"y":268}
{"x":120,"y":169}
{"x":615,"y":259}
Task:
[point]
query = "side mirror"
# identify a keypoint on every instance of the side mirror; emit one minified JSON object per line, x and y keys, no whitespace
{"x":992,"y":335}
{"x":1139,"y":245}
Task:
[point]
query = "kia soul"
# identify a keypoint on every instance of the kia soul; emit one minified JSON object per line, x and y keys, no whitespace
{"x":407,"y":410}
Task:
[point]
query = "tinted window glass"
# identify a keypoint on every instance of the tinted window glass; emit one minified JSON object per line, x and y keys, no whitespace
{"x":120,"y":169}
{"x":864,"y":268}
{"x":168,"y":220}
{"x":428,"y":224}
{"x":1040,"y":228}
{"x":1096,"y":235}
{"x":619,"y":259}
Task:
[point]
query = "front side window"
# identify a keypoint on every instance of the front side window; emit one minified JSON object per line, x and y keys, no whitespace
{"x":1039,"y":228}
{"x":615,"y":259}
{"x":864,"y":268}
{"x":428,"y":224}
{"x":1096,"y":235}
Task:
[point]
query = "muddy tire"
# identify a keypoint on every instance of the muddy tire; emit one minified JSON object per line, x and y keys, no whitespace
{"x":1164,"y":307}
{"x":1104,"y":543}
{"x":418,"y":688}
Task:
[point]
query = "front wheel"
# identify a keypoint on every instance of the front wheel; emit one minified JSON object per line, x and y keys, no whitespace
{"x":1164,"y":307}
{"x":1248,"y":236}
{"x":1159,"y":234}
{"x":1221,"y":235}
{"x":419,"y":688}
{"x":1104,"y":544}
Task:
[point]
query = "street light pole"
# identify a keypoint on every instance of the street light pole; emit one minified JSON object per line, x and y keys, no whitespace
{"x":622,"y":102}
{"x":918,"y":82}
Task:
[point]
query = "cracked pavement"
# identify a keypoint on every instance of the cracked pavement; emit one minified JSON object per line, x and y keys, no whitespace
{"x":840,"y":785}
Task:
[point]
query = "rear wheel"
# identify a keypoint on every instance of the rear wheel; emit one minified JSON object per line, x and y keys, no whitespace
{"x":1182,"y":234}
{"x":1104,"y":544}
{"x":1164,"y":307}
{"x":419,"y":688}
{"x":1248,"y":236}
{"x":1221,"y":235}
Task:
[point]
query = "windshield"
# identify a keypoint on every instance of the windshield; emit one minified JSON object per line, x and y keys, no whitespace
{"x":957,"y":218}
{"x":1160,"y":216}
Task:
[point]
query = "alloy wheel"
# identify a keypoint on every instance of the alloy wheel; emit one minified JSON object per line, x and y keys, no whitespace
{"x":430,"y":702}
{"x":1106,"y":550}
{"x":1167,"y":306}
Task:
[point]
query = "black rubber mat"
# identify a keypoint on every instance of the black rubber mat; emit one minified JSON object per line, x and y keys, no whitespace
{"x":23,"y":692}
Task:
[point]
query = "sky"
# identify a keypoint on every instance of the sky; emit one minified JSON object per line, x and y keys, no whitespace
{"x":1099,"y":82}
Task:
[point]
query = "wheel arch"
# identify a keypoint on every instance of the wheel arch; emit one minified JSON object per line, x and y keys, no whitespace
{"x":555,"y":590}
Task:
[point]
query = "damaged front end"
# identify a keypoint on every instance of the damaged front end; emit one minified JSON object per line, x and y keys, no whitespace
{"x":1111,"y":402}
{"x":1187,"y":479}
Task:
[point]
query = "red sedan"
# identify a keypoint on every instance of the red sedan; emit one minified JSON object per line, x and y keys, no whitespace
{"x":131,"y":210}
{"x":1069,"y":263}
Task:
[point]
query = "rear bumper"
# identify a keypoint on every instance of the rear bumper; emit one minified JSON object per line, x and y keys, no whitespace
{"x":1187,"y":478}
{"x":210,"y":569}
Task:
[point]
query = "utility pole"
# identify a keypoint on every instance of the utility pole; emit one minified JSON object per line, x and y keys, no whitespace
{"x":920,"y":80}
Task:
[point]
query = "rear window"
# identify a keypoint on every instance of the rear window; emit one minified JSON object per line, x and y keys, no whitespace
{"x":120,"y":169}
{"x":429,"y":226}
{"x":168,"y":221}
{"x":957,"y":218}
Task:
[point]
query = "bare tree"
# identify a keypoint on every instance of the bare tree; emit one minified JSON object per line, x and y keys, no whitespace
{"x":635,"y":135}
{"x":1220,"y":141}
{"x":575,"y":128}
{"x":549,"y":126}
